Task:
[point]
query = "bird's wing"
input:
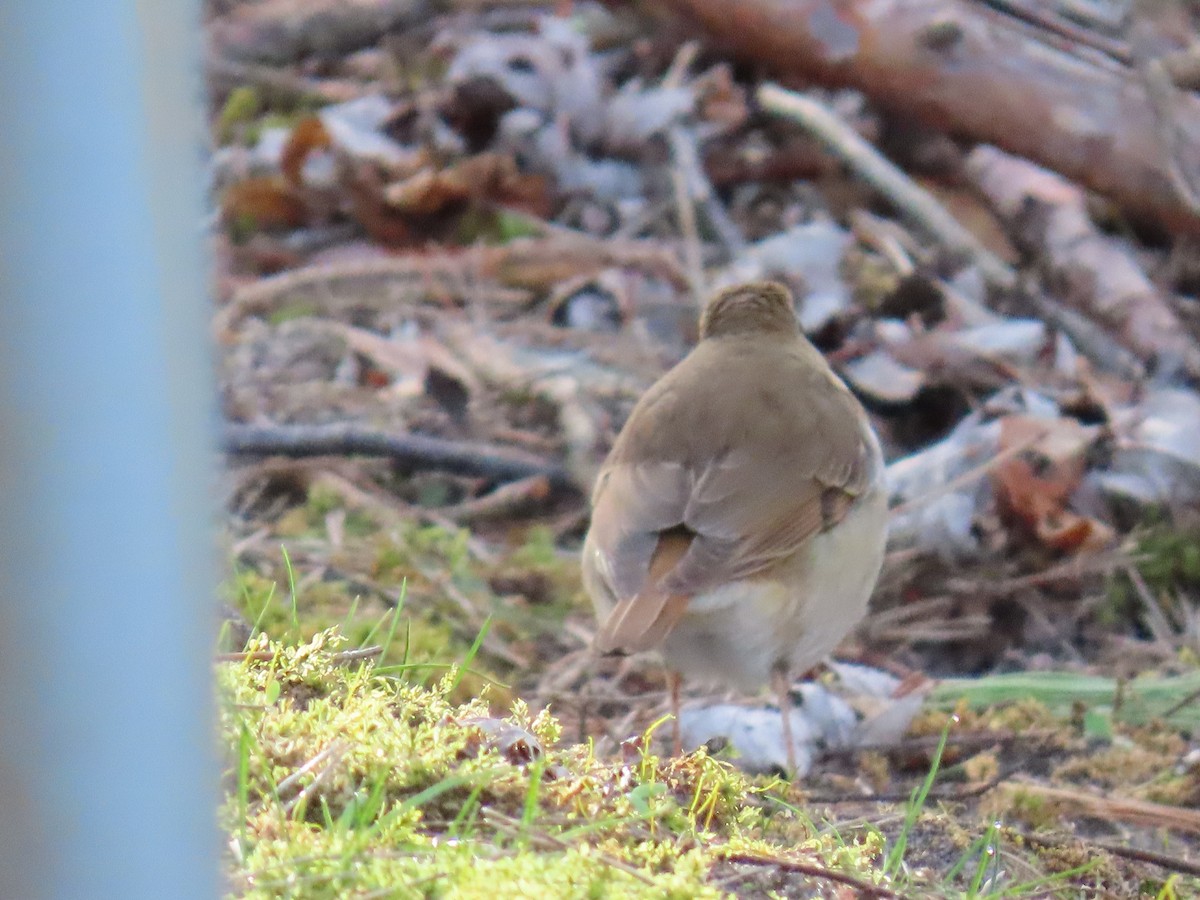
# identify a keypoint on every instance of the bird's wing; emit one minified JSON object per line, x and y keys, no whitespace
{"x":664,"y":531}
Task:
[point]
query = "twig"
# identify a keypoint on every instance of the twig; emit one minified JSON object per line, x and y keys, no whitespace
{"x":1100,"y":276}
{"x":331,"y":756}
{"x":419,"y":451}
{"x":865,"y":889}
{"x":1074,"y":568}
{"x":346,"y":656}
{"x":329,"y":278}
{"x":505,"y":501}
{"x":967,"y":741}
{"x":686,"y":212}
{"x":917,"y":204}
{"x":256,"y":655}
{"x":1121,"y":809}
{"x":353,"y":656}
{"x":290,"y":782}
{"x":1176,"y":707}
{"x":1173,"y":863}
{"x":1160,"y":625}
{"x":512,"y":827}
{"x":686,"y":156}
{"x":1037,"y":15}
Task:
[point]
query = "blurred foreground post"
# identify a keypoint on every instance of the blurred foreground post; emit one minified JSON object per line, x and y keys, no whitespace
{"x":107,"y":782}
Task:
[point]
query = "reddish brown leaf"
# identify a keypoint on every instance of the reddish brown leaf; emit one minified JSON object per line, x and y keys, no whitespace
{"x":308,"y":135}
{"x":264,"y":202}
{"x":1034,"y":487}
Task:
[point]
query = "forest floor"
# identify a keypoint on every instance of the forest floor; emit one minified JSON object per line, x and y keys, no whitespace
{"x":457,"y":241}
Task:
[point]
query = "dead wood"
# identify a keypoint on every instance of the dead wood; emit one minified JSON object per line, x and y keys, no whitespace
{"x":915,"y":203}
{"x":986,"y":76}
{"x":1094,"y":273}
{"x":416,"y":450}
{"x":283,"y":31}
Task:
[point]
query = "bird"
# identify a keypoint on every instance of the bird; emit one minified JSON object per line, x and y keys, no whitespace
{"x":738,"y":523}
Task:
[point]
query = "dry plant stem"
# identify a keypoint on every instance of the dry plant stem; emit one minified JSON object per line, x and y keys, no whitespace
{"x":914,"y":203}
{"x":332,"y":756}
{"x":263,"y":294}
{"x":971,"y":741}
{"x":1117,"y":809}
{"x":686,"y":212}
{"x":498,"y":273}
{"x":1072,"y":569}
{"x":689,"y":167}
{"x":419,"y":451}
{"x":812,"y":870}
{"x":290,"y":782}
{"x":1186,"y":701}
{"x":1160,"y":626}
{"x":353,"y":656}
{"x":389,"y":512}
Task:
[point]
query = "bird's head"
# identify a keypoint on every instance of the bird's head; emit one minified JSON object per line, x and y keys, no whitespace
{"x":752,"y":308}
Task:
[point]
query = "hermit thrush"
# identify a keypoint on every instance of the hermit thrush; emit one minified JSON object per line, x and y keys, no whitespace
{"x":738,"y":524}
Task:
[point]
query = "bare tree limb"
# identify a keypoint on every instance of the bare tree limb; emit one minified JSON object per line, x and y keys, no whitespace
{"x":282,"y":31}
{"x":419,"y":451}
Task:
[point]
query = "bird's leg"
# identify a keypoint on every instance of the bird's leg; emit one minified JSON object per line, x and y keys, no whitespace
{"x":783,"y":694}
{"x":673,"y":681}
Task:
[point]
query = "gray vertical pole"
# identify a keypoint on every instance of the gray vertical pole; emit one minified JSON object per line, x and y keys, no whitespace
{"x":107,"y":781}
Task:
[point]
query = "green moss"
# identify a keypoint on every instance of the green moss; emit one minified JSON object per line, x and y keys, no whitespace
{"x":241,"y":106}
{"x":342,"y":780}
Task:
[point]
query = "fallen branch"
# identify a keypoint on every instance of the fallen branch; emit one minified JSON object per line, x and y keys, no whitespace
{"x":414,"y":450}
{"x":1095,"y":273}
{"x":916,"y":204}
{"x":283,"y":31}
{"x":983,"y":75}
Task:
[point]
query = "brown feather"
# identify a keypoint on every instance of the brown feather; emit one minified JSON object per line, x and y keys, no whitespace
{"x":641,"y":621}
